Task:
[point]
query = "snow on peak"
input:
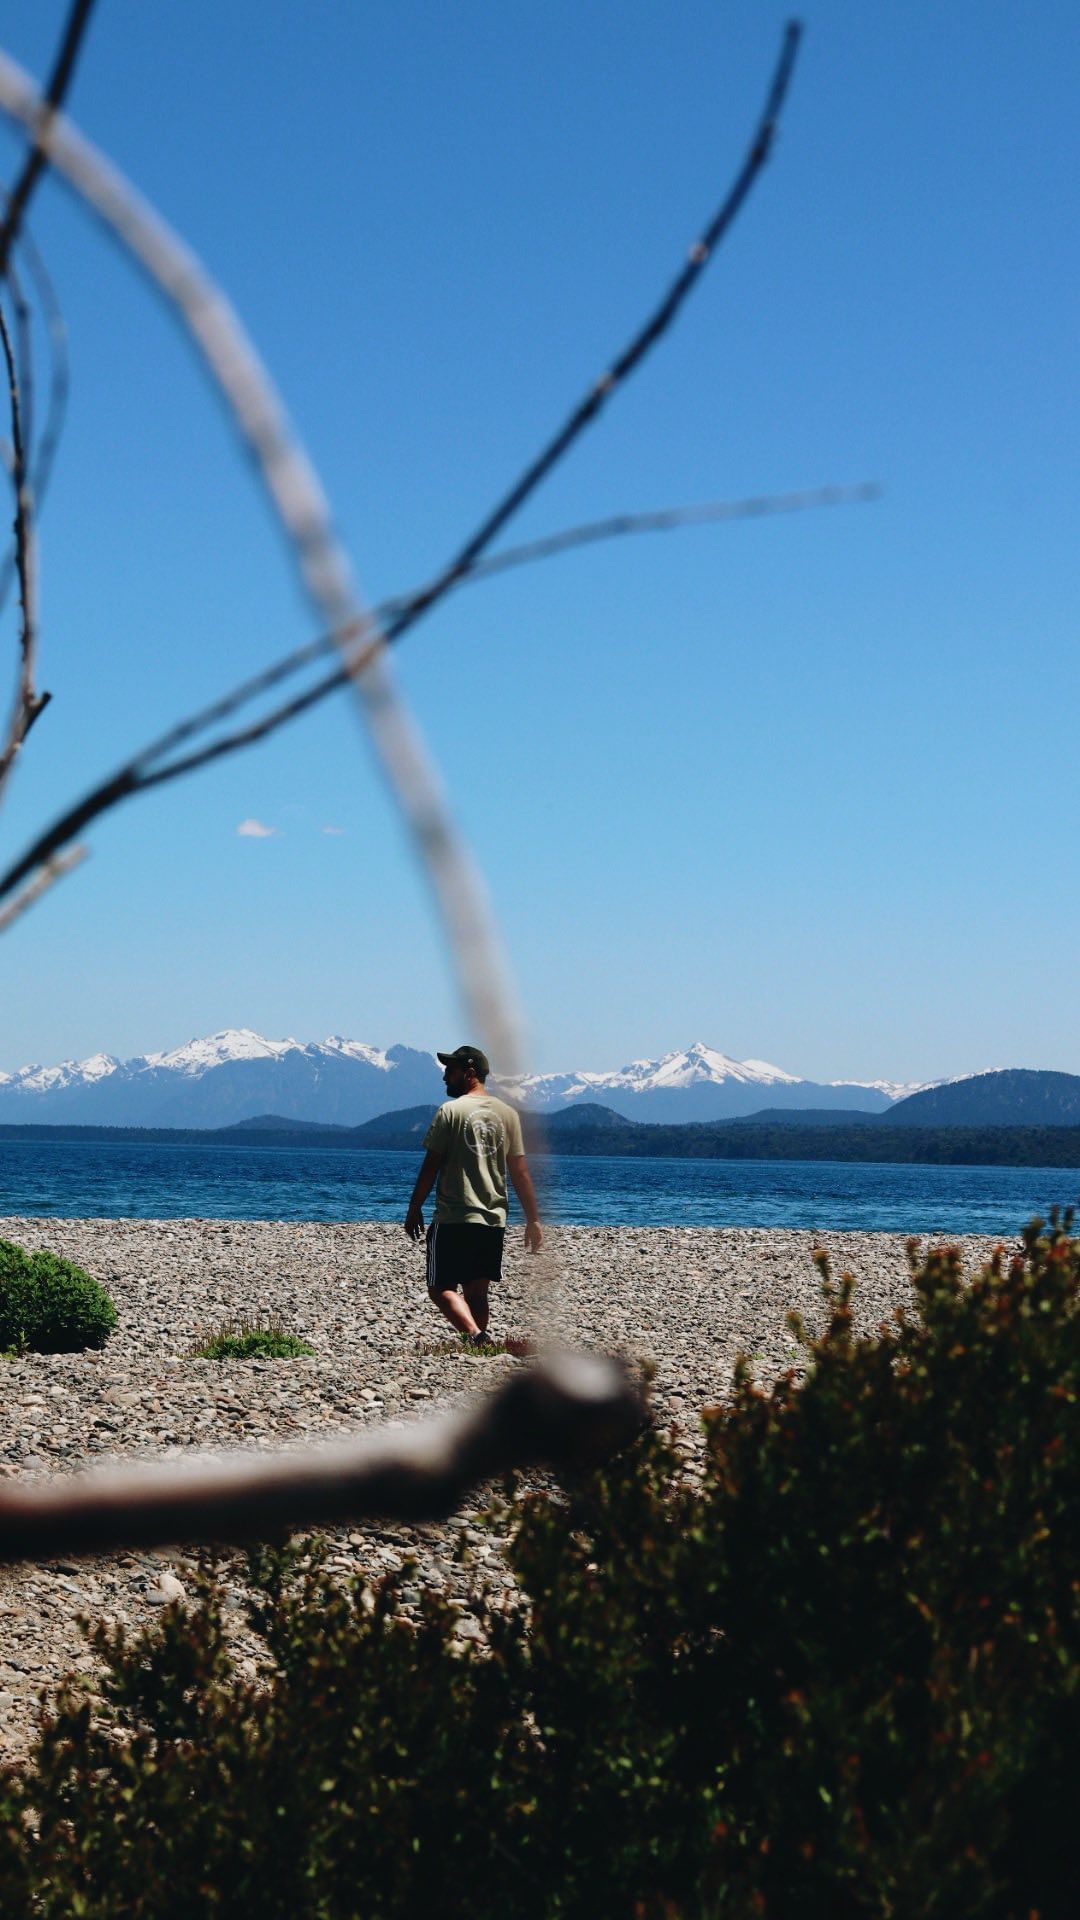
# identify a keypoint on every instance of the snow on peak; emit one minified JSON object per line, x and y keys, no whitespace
{"x":683,"y":1069}
{"x":356,"y":1050}
{"x":38,"y":1079}
{"x":232,"y":1043}
{"x":892,"y":1089}
{"x":243,"y":1043}
{"x":697,"y":1064}
{"x":98,"y":1066}
{"x":195,"y":1057}
{"x":769,"y":1075}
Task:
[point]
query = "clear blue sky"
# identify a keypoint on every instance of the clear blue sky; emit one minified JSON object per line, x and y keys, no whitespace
{"x":805,"y":788}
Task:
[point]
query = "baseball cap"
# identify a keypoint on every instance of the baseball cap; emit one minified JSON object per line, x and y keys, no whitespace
{"x":468,"y":1057}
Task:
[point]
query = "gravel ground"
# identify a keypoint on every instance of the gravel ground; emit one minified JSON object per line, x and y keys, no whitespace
{"x":688,"y":1300}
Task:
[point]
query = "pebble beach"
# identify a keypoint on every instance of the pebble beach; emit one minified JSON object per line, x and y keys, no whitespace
{"x":687,"y":1301}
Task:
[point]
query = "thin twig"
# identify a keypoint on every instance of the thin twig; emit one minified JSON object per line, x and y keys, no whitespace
{"x":142,"y":770}
{"x":630,"y":358}
{"x":28,"y":704}
{"x":667,"y":519}
{"x":51,"y":100}
{"x":570,"y":1409}
{"x":41,"y":457}
{"x":47,"y":874}
{"x":662,"y":520}
{"x":24,"y":359}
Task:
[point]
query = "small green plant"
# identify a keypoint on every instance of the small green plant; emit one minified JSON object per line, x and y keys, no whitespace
{"x":49,"y":1305}
{"x":494,"y":1344}
{"x":486,"y":1348}
{"x":251,"y":1340}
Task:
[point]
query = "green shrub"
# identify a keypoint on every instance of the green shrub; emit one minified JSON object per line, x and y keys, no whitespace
{"x":48,"y":1305}
{"x":836,"y":1674}
{"x":251,"y":1340}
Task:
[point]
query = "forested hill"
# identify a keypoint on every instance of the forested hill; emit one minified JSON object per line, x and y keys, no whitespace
{"x":593,"y":1134}
{"x":1010,"y":1097}
{"x":911,"y":1146}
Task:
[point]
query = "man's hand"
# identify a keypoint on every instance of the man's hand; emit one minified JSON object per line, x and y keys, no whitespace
{"x":526,"y":1193}
{"x":425,"y":1180}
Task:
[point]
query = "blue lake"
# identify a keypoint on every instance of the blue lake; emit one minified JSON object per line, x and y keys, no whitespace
{"x":162,"y":1181}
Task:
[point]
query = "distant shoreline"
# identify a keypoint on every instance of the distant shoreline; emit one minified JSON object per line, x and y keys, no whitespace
{"x":735,"y":1140}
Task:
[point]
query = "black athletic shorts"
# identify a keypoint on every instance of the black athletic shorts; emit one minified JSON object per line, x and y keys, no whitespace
{"x":456,"y":1255}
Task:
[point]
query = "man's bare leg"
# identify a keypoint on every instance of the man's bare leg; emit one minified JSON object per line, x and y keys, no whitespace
{"x":476,"y":1294}
{"x":456,"y":1310}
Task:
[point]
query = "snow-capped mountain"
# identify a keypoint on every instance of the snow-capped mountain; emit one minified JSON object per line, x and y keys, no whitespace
{"x":697,"y":1066}
{"x":696,"y":1084}
{"x":240,"y":1043}
{"x":238,"y":1075}
{"x":54,"y":1079}
{"x":227,"y":1077}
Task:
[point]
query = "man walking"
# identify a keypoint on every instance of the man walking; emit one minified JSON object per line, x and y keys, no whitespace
{"x":472,"y":1145}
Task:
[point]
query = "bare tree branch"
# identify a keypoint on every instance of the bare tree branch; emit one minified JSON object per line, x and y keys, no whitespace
{"x":570,"y":1408}
{"x":142,"y":771}
{"x":24,"y":360}
{"x":28,"y":704}
{"x":51,"y":100}
{"x":40,"y":458}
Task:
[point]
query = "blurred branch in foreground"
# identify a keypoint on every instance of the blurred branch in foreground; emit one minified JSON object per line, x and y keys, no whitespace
{"x":571,"y":1408}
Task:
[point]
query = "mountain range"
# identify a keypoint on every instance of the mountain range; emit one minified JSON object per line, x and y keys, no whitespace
{"x":1014,"y":1116}
{"x":237,"y":1076}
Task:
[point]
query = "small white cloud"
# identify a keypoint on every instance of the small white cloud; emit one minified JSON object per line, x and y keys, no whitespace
{"x":334,"y":830}
{"x":254,"y":830}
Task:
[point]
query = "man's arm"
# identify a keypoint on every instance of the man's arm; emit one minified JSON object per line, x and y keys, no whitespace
{"x":526,"y":1193}
{"x":425,"y":1180}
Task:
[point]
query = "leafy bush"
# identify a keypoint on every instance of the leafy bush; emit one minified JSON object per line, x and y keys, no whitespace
{"x":837,"y":1673}
{"x":251,"y":1340}
{"x":48,"y":1305}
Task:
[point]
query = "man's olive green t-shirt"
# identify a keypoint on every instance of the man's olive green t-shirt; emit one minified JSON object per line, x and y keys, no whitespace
{"x":478,"y":1135}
